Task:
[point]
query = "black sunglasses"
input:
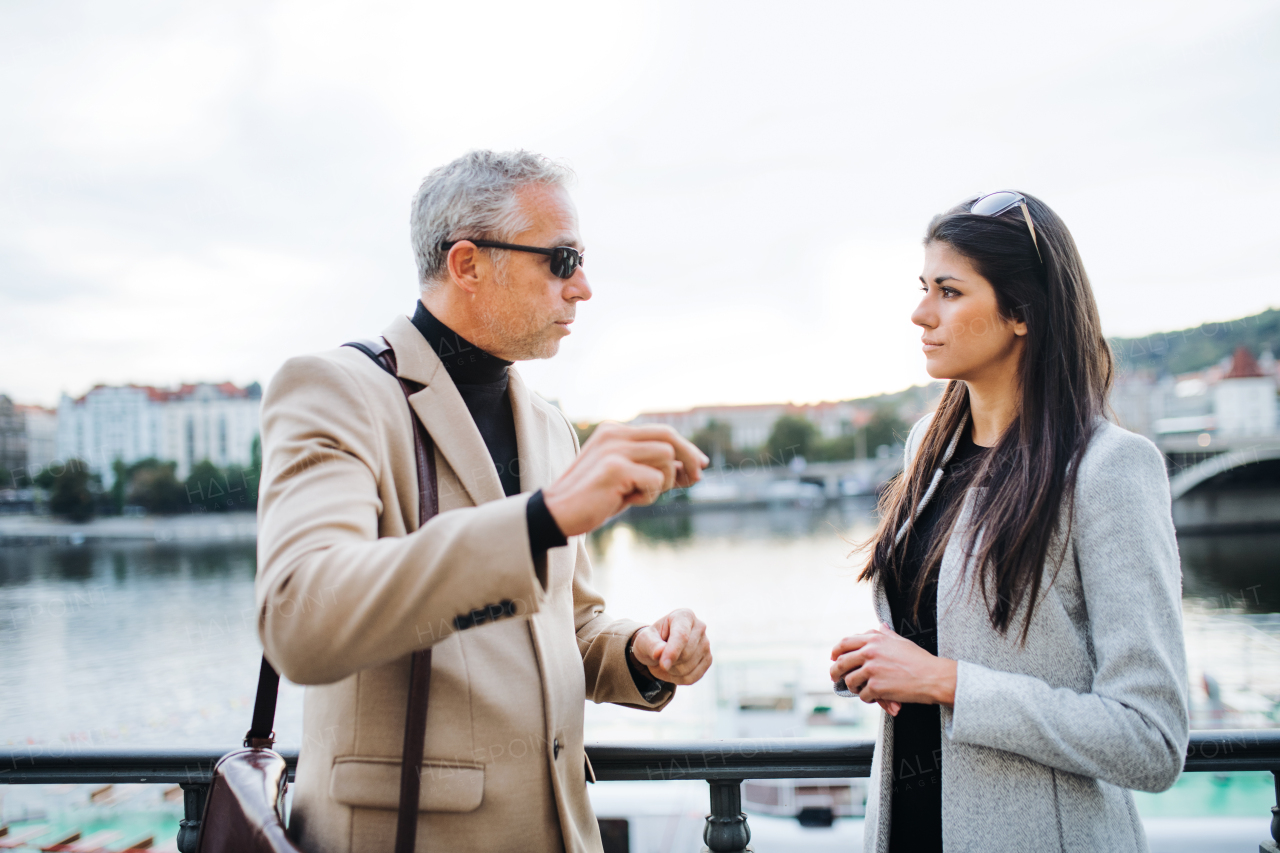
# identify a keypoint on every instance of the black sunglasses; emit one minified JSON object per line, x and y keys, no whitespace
{"x":996,"y":203}
{"x":565,"y":260}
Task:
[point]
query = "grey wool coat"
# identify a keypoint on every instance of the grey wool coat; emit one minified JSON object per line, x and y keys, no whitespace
{"x":1044,"y":740}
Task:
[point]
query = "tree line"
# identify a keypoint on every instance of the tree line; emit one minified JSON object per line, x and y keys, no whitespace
{"x":150,"y":486}
{"x":793,"y":436}
{"x":1194,"y":349}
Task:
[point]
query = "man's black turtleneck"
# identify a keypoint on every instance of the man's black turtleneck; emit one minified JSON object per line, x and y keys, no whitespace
{"x":481,"y":378}
{"x":482,"y":381}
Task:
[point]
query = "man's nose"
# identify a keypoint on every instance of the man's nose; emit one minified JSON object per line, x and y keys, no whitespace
{"x":579,"y":289}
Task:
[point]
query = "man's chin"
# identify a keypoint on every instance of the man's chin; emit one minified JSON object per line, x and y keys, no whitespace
{"x":539,"y":350}
{"x":548,"y":349}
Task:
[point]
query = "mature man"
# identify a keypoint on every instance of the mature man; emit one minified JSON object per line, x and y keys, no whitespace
{"x":498,"y":583}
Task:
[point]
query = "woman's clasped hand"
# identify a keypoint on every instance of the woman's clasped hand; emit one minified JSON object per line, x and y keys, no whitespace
{"x":884,"y":667}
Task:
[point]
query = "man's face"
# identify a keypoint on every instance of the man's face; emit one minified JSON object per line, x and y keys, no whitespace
{"x":524,"y":309}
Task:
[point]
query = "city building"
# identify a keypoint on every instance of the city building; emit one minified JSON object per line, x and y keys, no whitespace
{"x":750,"y":425}
{"x":1244,"y":400}
{"x":186,"y":425}
{"x":1236,"y":398}
{"x":27,"y":442}
{"x":41,"y":426}
{"x":13,"y":438}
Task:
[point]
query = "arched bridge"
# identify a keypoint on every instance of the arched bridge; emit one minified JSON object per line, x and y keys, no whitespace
{"x":1186,"y":480}
{"x":1233,"y":492}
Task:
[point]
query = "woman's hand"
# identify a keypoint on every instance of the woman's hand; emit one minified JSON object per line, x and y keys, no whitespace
{"x":881,"y":666}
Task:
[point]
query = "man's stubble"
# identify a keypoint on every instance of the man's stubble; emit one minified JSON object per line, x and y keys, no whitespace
{"x":525,"y":337}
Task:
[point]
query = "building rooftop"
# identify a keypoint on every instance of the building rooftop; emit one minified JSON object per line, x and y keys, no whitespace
{"x":164,"y":395}
{"x":1244,"y":366}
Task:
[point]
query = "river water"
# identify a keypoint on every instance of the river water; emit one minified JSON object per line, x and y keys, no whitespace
{"x":152,"y":644}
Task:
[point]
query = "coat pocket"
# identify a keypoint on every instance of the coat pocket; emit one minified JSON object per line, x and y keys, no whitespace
{"x":375,"y":783}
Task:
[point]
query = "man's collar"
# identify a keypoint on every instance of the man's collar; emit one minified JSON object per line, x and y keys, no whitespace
{"x":467,"y":363}
{"x":443,"y":412}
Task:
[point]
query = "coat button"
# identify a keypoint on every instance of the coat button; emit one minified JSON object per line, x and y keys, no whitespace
{"x":555,"y":748}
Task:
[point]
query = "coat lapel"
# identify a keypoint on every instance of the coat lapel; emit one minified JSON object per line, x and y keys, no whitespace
{"x":953,"y":578}
{"x":881,"y":600}
{"x":531,"y":435}
{"x":443,"y":413}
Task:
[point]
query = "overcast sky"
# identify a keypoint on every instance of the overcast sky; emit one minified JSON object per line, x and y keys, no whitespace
{"x":196,"y":191}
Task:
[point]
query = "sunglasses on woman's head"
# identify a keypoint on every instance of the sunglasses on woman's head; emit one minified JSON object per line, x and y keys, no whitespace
{"x":996,"y":203}
{"x":565,"y":260}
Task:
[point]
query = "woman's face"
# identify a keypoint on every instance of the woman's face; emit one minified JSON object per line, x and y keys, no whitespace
{"x":964,"y":335}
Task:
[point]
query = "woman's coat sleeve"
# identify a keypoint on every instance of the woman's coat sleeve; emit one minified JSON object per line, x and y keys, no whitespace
{"x":1131,"y":729}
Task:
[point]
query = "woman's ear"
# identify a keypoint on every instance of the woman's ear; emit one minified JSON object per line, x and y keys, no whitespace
{"x":1020,"y":322}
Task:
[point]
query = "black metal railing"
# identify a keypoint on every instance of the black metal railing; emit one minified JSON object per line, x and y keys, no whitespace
{"x":723,"y":764}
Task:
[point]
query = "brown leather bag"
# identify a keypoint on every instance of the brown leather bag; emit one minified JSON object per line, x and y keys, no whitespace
{"x":244,"y":809}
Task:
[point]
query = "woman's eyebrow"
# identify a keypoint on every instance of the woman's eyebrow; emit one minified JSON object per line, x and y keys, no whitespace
{"x":940,"y":279}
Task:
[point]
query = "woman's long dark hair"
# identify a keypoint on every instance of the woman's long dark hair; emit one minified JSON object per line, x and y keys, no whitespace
{"x":1065,"y":374}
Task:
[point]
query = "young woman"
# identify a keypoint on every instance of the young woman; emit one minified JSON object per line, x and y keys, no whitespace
{"x":1031,"y":661}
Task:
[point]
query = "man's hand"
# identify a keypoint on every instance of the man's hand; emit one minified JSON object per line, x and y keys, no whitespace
{"x":674,"y":649}
{"x":883,"y":666}
{"x":620,"y":466}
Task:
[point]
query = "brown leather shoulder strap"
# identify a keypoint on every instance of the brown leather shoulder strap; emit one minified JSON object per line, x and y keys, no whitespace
{"x":423,"y":450}
{"x":415,"y":719}
{"x":415,"y":722}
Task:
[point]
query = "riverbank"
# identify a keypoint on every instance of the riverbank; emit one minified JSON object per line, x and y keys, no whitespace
{"x":192,"y":528}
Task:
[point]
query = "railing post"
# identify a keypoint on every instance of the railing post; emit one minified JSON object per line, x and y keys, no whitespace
{"x":1273,"y":846}
{"x":726,"y":830}
{"x":193,"y":794}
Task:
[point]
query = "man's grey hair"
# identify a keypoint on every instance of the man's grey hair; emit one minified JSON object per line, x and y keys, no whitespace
{"x":474,"y":197}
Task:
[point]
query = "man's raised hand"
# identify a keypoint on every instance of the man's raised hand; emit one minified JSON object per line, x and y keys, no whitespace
{"x":674,"y":649}
{"x":620,"y":466}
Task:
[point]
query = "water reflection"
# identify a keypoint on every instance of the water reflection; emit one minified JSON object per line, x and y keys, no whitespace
{"x":1237,"y":572}
{"x":140,"y":644}
{"x":23,"y":564}
{"x":674,"y":523}
{"x":155,"y":644}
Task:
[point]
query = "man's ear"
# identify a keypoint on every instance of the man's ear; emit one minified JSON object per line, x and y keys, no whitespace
{"x":464,"y":263}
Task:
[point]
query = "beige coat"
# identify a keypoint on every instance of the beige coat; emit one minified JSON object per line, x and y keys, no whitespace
{"x":348,"y":587}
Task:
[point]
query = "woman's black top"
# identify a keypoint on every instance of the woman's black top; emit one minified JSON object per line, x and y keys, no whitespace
{"x":916,"y":820}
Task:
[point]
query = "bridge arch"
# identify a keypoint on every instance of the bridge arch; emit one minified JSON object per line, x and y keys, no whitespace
{"x":1185,"y":481}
